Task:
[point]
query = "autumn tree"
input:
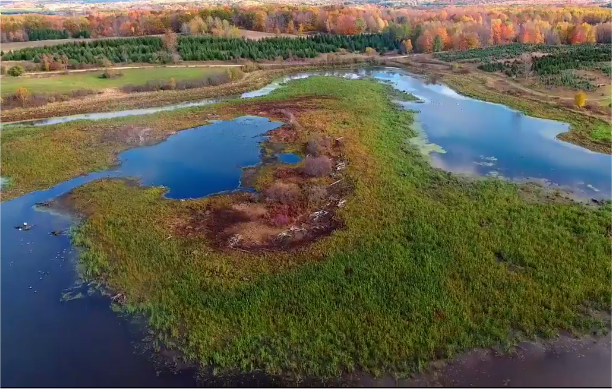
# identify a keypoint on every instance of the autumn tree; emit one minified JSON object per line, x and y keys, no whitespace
{"x":580,"y":99}
{"x":290,"y":27}
{"x":197,"y":26}
{"x":170,"y":41}
{"x":407,"y":46}
{"x":425,"y":42}
{"x":22,"y":95}
{"x":370,"y":51}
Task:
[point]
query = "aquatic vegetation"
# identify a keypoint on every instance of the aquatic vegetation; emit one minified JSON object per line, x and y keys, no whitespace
{"x":425,"y":264}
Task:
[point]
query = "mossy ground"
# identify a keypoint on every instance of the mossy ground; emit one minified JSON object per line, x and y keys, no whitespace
{"x":427,"y":264}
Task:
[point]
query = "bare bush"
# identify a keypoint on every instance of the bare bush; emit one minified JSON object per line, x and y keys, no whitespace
{"x":283,"y":193}
{"x":318,"y":146}
{"x":318,"y":166}
{"x":316,"y":194}
{"x":24,"y":99}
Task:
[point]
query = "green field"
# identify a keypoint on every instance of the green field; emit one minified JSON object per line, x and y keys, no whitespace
{"x":426,"y":265}
{"x":64,"y":83}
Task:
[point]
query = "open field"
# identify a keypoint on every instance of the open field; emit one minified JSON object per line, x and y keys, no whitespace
{"x":64,"y":83}
{"x":425,"y":264}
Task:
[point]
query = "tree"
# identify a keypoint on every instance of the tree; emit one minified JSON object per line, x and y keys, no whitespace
{"x":407,"y":46}
{"x":197,"y":26}
{"x":170,"y":41}
{"x":527,"y":61}
{"x":290,"y":27}
{"x":22,"y":95}
{"x":16,"y":71}
{"x":425,"y":42}
{"x":438,"y":45}
{"x":45,"y":61}
{"x":580,"y":99}
{"x":360,"y":24}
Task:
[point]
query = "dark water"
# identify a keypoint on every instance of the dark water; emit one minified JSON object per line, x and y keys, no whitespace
{"x":47,"y":342}
{"x":200,"y":161}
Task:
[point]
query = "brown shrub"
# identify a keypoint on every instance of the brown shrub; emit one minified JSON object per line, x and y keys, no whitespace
{"x":212,"y":80}
{"x":22,"y":95}
{"x":25,"y":99}
{"x":318,"y":166}
{"x":316,"y":194}
{"x":283,"y":193}
{"x":318,"y":146}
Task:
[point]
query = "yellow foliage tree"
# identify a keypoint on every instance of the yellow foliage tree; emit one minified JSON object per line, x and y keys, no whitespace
{"x":23,"y":95}
{"x":580,"y":99}
{"x":407,"y":45}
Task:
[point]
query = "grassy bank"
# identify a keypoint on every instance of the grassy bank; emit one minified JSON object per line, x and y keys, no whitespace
{"x":64,"y":83}
{"x":124,"y":101}
{"x":426,"y":265}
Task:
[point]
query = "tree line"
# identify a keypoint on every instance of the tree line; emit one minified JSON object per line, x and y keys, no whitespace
{"x":202,"y":48}
{"x":432,"y":29}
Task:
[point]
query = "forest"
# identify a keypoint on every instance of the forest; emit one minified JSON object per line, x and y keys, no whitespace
{"x":433,"y":29}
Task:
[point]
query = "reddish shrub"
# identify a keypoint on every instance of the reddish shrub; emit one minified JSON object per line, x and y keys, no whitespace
{"x":280,"y":219}
{"x":318,"y":166}
{"x":283,"y":193}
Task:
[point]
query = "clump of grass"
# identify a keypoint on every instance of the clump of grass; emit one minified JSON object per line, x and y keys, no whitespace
{"x":426,"y":265}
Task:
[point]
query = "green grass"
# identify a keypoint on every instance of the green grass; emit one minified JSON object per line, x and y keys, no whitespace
{"x":63,"y":83}
{"x":427,"y":264}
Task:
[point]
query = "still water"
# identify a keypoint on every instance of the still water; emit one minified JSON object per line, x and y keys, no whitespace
{"x":47,"y":342}
{"x":468,"y":136}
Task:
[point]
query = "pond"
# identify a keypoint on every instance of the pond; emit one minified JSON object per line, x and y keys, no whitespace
{"x":47,"y":342}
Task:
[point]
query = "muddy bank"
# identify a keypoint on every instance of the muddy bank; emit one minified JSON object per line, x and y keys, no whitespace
{"x":561,"y":362}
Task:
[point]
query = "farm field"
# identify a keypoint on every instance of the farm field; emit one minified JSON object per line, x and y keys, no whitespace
{"x":91,"y":80}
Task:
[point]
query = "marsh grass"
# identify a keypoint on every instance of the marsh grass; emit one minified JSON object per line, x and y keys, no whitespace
{"x":427,"y":264}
